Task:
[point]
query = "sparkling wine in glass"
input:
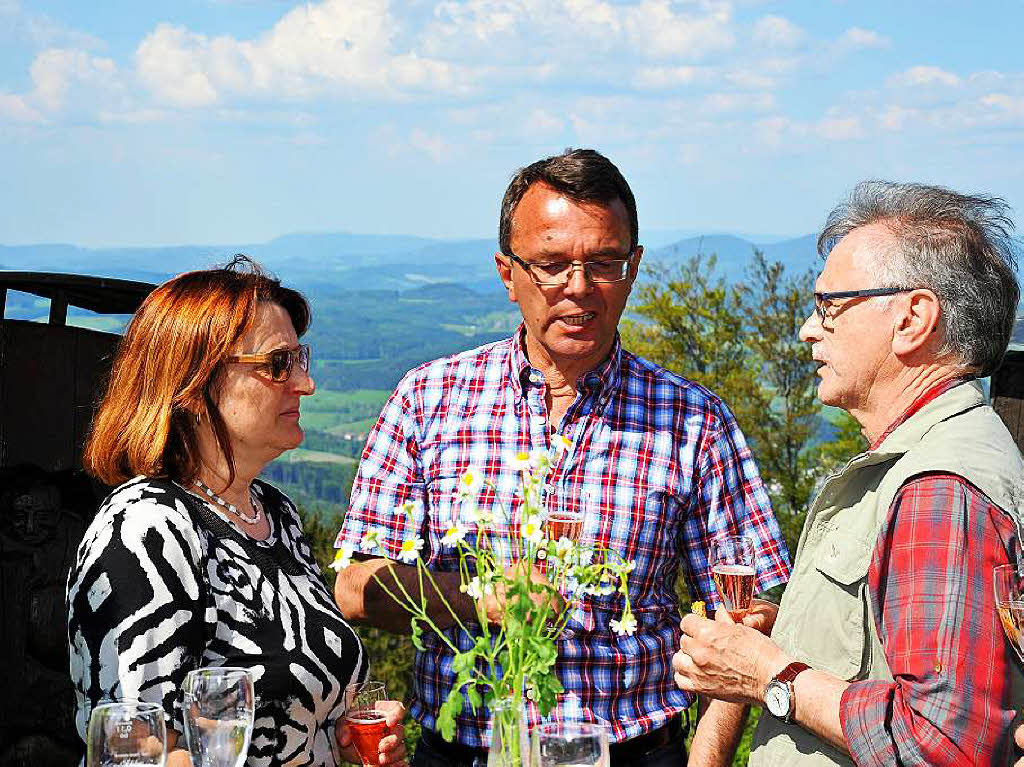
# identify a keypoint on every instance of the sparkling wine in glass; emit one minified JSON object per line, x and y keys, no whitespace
{"x":366,"y":722}
{"x":569,"y":744}
{"x":1009,"y":592}
{"x":219,"y":708}
{"x":126,"y":733}
{"x":732,"y":566}
{"x":564,"y":523}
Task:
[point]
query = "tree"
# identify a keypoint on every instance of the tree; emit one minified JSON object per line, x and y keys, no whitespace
{"x":742,"y":342}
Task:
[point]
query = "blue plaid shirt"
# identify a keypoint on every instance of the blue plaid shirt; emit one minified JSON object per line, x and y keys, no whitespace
{"x":658,"y":466}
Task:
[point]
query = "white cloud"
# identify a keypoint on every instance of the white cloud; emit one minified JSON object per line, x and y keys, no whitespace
{"x":1004,"y":104}
{"x":773,"y":131}
{"x":778,"y":32}
{"x":431,"y":144}
{"x":13,"y":107}
{"x":567,"y":31}
{"x":170,"y":62}
{"x":857,"y":38}
{"x":333,"y":46}
{"x":542,"y":122}
{"x":667,"y":77}
{"x":56,"y":71}
{"x":738,"y":102}
{"x":916,"y":77}
{"x":840,"y":128}
{"x":39,"y":30}
{"x":895,"y":117}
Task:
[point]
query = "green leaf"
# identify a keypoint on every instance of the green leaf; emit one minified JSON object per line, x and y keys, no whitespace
{"x":417,"y":635}
{"x":446,"y":721}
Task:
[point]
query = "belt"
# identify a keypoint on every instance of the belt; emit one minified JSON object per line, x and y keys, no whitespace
{"x":624,"y":750}
{"x":634,"y":748}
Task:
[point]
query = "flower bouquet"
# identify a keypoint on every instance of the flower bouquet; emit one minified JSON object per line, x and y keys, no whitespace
{"x":512,"y":660}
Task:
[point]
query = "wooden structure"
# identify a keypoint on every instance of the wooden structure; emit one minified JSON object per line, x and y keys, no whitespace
{"x":50,"y":378}
{"x":1008,"y":393}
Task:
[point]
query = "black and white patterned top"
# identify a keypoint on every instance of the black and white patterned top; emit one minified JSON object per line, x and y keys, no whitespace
{"x":162,"y":585}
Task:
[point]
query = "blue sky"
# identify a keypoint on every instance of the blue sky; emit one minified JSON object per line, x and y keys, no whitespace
{"x":234,"y":121}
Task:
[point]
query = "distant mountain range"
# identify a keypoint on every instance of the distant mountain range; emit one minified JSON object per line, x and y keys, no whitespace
{"x":338,"y":262}
{"x":373,"y":262}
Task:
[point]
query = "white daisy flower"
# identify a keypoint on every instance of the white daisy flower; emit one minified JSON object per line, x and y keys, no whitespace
{"x":409,"y":508}
{"x":470,"y":483}
{"x":481,"y":517}
{"x":624,"y":627}
{"x":371,"y":540}
{"x":541,"y":460}
{"x":344,"y":557}
{"x":520,"y":461}
{"x":454,"y":534}
{"x":564,"y":547}
{"x":560,"y":443}
{"x":411,"y":548}
{"x":532,"y":529}
{"x":476,"y":589}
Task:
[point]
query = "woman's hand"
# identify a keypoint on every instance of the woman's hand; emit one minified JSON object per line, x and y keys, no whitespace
{"x":392,"y":746}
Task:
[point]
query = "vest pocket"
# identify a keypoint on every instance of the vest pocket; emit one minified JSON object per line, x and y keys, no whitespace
{"x":835,"y":640}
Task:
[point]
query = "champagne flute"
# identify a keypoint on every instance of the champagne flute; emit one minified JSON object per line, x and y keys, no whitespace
{"x":1008,"y":584}
{"x":569,"y":744}
{"x":219,"y":710}
{"x":365,"y":720}
{"x":126,"y":732}
{"x":732,"y":566}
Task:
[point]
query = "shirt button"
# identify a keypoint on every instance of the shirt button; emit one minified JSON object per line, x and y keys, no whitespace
{"x":536,"y":378}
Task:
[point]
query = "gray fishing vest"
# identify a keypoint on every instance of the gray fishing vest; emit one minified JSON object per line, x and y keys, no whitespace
{"x":825,"y":618}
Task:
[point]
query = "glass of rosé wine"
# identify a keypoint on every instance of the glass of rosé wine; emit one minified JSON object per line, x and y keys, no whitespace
{"x":732,"y":567}
{"x":365,"y":720}
{"x":1008,"y":583}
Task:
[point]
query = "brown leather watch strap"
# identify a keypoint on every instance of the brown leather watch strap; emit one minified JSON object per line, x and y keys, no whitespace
{"x":788,"y":674}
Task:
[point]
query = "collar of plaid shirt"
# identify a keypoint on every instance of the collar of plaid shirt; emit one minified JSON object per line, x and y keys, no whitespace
{"x":602,"y":380}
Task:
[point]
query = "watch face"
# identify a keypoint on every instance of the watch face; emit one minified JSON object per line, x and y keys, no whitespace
{"x":776,"y":698}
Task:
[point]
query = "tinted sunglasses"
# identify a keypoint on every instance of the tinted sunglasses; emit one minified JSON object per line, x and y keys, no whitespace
{"x":278,"y":363}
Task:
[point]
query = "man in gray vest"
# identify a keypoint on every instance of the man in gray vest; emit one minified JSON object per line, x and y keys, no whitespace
{"x":887,"y":648}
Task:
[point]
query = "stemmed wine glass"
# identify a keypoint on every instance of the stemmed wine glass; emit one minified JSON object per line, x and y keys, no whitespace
{"x":365,"y":720}
{"x":569,"y":744}
{"x":126,"y":732}
{"x":1008,"y":584}
{"x":732,"y":566}
{"x":219,"y":710}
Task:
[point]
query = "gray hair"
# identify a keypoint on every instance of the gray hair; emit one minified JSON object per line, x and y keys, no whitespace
{"x":958,"y":246}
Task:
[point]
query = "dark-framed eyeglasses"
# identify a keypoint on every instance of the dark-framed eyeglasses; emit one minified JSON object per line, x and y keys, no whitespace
{"x":823,"y":300}
{"x":599,"y":270}
{"x":278,"y":363}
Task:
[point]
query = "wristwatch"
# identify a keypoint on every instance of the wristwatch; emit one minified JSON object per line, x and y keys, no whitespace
{"x":778,"y":695}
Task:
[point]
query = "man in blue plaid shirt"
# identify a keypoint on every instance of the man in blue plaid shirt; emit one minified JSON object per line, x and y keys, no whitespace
{"x":656,"y":464}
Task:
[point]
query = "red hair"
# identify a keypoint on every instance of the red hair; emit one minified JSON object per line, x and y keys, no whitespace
{"x":166,"y":368}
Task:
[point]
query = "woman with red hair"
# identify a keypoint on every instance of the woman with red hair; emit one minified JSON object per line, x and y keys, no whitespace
{"x":192,"y":561}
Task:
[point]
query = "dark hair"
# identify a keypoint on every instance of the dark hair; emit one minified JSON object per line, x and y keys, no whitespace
{"x":583,"y":175}
{"x":958,"y":246}
{"x":166,"y":366}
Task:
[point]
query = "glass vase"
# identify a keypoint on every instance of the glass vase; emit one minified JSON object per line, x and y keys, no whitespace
{"x":509,"y":738}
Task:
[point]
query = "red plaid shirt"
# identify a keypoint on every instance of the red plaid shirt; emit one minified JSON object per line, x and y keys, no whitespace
{"x":658,"y":467}
{"x":933,"y":608}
